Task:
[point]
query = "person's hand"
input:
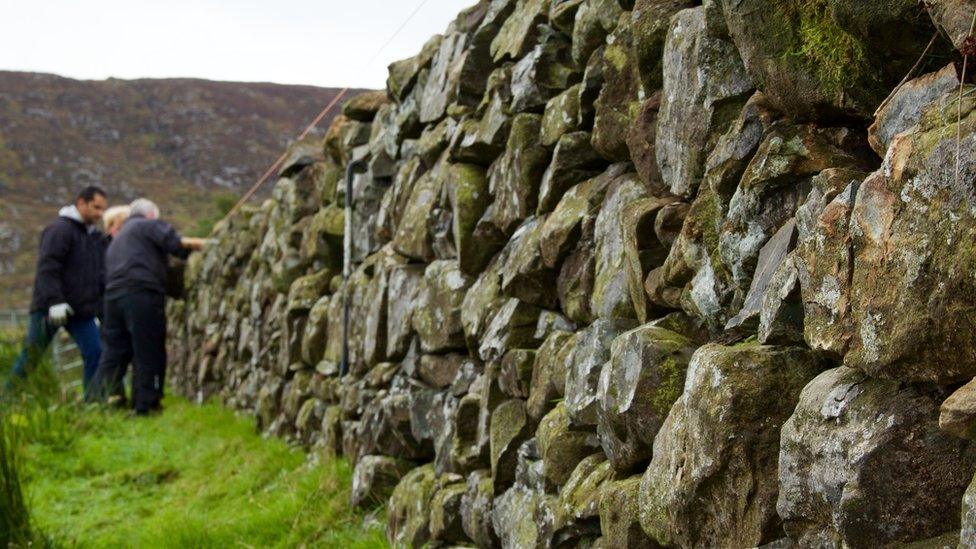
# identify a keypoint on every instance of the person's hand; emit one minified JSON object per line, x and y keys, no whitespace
{"x":191,"y":243}
{"x":58,"y":314}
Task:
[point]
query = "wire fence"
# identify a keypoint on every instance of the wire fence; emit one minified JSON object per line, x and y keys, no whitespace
{"x":66,"y":358}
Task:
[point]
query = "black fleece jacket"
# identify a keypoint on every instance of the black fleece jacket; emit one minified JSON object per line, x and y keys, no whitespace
{"x":70,"y":268}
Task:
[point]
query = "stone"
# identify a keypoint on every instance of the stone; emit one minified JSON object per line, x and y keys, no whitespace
{"x":611,"y":287}
{"x":562,"y":15}
{"x":577,"y":277}
{"x":562,"y":447}
{"x":515,"y":325}
{"x":651,"y":21}
{"x":437,"y":311}
{"x":766,"y":197}
{"x":374,"y":479}
{"x":510,"y":426}
{"x":476,"y":509}
{"x":519,"y":31}
{"x":445,"y":514}
{"x":561,"y":229}
{"x":620,"y":515}
{"x":705,"y":85}
{"x":404,"y":284}
{"x":469,"y":198}
{"x":523,"y":518}
{"x":578,"y":507}
{"x":542,"y":74}
{"x":591,"y":351}
{"x":638,"y":385}
{"x":441,"y":88}
{"x":523,"y":273}
{"x":544,"y":388}
{"x":953,"y":17}
{"x":781,"y":312}
{"x":515,"y":372}
{"x":574,"y":160}
{"x":771,"y":257}
{"x":515,"y":177}
{"x":908,"y":311}
{"x":957,"y":414}
{"x":364,"y":106}
{"x":863,"y":463}
{"x":828,"y":59}
{"x":408,"y":512}
{"x":903,"y":108}
{"x":595,"y":19}
{"x":313,"y":340}
{"x":413,"y":237}
{"x":439,"y":371}
{"x":643,"y":250}
{"x":620,"y":98}
{"x":641,"y":144}
{"x":723,"y":434}
{"x":823,"y":254}
{"x":403,"y":74}
{"x":562,"y":115}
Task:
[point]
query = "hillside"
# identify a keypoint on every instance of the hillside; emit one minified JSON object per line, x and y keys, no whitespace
{"x":183,"y":142}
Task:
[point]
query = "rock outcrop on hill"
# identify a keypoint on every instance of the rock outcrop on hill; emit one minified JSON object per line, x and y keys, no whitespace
{"x":627,"y":274}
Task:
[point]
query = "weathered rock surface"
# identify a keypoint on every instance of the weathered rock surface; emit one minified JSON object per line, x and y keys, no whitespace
{"x":706,"y":436}
{"x":642,"y":380}
{"x":600,"y":238}
{"x":849,"y":458}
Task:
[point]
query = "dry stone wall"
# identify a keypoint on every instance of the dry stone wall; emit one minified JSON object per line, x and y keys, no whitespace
{"x":627,"y":274}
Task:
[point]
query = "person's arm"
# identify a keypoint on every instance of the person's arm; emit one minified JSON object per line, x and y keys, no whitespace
{"x":193,"y":244}
{"x":50,"y":264}
{"x":169,"y":240}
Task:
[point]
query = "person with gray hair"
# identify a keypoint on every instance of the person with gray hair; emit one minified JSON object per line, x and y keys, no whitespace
{"x":134,"y":329}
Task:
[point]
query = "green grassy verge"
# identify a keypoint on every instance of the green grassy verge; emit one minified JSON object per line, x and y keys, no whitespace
{"x":196,"y":476}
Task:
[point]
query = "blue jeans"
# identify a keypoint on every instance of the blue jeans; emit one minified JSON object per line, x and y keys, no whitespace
{"x":40,"y":333}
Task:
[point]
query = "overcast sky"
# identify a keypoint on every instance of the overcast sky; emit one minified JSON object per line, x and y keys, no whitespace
{"x":317,"y":42}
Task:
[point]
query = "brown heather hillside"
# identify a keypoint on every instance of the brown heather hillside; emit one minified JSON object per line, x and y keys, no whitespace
{"x":183,"y":142}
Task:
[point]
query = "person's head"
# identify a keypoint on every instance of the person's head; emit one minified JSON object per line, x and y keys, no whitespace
{"x":114,"y":217}
{"x":91,"y":204}
{"x":144,"y":207}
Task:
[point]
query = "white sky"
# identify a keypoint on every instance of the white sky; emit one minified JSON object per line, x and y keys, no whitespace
{"x":317,"y":42}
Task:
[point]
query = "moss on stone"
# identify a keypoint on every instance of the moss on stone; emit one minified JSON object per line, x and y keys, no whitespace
{"x":835,"y":56}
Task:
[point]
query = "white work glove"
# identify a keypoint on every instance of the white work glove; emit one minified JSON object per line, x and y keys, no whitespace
{"x":58,"y":314}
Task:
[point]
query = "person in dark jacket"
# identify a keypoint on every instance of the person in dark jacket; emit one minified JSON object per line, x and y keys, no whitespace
{"x":69,"y":284}
{"x":135,"y":317}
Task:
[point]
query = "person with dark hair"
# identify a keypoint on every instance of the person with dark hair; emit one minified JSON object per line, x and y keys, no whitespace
{"x":135,"y":307}
{"x":69,"y":284}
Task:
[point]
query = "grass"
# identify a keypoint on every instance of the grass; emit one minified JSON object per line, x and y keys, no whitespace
{"x":196,"y":476}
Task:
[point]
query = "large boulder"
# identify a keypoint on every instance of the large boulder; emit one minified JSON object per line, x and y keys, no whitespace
{"x":639,"y":384}
{"x":863,"y":464}
{"x":904,"y":309}
{"x":723,"y":435}
{"x":705,"y":85}
{"x":831,"y":58}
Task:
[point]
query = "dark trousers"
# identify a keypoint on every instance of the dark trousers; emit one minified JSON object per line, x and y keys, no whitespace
{"x":40,"y":333}
{"x":134,"y":331}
